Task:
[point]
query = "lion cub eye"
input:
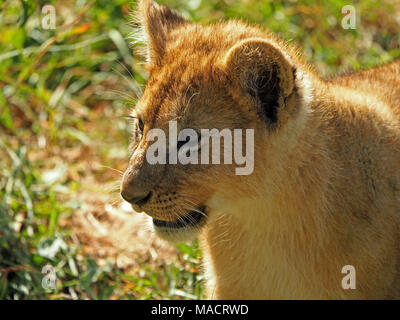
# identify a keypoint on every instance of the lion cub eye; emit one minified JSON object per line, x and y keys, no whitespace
{"x":138,"y":127}
{"x":192,"y":144}
{"x":180,"y":144}
{"x":141,"y":125}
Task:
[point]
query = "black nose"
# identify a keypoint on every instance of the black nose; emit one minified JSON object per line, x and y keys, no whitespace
{"x":138,"y":200}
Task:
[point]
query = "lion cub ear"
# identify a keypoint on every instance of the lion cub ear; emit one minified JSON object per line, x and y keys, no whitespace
{"x":264,"y":71}
{"x":156,"y":22}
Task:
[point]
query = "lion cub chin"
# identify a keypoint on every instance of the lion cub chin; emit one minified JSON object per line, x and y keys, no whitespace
{"x":319,"y":215}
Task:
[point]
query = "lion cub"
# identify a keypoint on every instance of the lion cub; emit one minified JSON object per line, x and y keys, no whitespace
{"x":325,"y":189}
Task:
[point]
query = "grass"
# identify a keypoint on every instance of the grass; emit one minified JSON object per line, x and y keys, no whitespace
{"x":62,"y":107}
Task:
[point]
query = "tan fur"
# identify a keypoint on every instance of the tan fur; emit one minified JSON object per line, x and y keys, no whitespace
{"x":325,"y":191}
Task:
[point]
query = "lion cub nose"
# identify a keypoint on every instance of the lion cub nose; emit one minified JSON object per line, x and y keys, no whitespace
{"x":138,"y":199}
{"x":136,"y":186}
{"x":133,"y":191}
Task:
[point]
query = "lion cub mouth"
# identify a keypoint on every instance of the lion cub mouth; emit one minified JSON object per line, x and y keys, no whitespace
{"x":192,"y":219}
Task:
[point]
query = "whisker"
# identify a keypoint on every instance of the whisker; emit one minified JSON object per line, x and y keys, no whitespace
{"x":124,"y":95}
{"x":138,"y":87}
{"x":131,"y":83}
{"x":190,"y":208}
{"x":111,"y":168}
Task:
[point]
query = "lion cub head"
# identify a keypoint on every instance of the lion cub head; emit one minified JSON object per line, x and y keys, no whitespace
{"x":228,"y":77}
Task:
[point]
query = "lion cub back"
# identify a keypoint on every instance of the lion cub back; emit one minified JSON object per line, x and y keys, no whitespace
{"x":382,"y":81}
